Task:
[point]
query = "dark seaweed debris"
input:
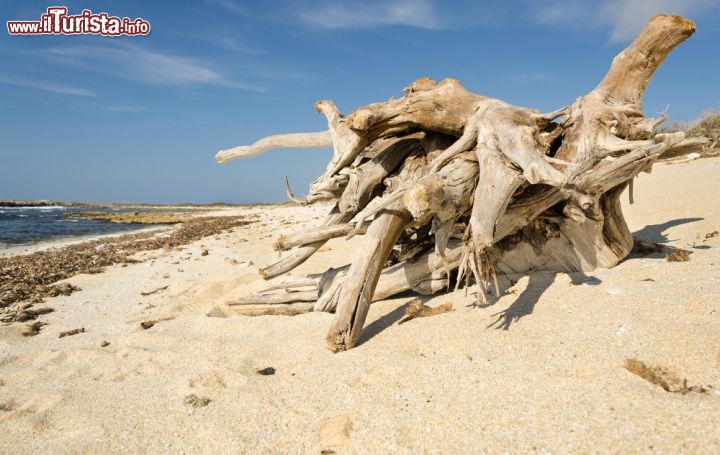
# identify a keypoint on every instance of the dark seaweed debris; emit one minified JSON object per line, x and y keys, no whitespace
{"x":662,"y":377}
{"x":30,"y":277}
{"x":269,"y":371}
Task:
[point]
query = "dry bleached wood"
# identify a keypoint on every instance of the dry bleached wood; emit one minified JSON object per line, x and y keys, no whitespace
{"x":298,"y":140}
{"x":443,"y":179}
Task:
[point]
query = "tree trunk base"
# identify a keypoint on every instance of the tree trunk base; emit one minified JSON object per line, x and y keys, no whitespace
{"x":444,"y":180}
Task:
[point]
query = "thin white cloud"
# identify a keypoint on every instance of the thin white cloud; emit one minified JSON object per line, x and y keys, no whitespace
{"x":135,"y":63}
{"x":626,"y":18}
{"x":232,"y":6}
{"x":560,"y":12}
{"x":47,"y":86}
{"x":368,"y":14}
{"x":123,"y":109}
{"x":229,"y":43}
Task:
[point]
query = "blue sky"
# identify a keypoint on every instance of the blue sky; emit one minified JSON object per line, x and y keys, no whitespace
{"x":139,"y":119}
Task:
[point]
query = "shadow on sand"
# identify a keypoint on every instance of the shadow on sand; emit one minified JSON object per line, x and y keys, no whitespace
{"x":540,"y":281}
{"x":656,"y":232}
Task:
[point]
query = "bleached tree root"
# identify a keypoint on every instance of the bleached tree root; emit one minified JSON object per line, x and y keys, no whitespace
{"x":444,"y":180}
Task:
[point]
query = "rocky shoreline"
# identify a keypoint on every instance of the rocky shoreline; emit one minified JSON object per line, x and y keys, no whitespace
{"x":136,"y":217}
{"x":27,"y":203}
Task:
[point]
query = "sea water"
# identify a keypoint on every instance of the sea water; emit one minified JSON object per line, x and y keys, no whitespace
{"x":31,"y":225}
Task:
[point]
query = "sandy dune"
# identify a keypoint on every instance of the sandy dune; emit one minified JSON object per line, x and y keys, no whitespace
{"x":541,"y":370}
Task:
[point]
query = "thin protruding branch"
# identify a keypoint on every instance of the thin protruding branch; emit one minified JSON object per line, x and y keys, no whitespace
{"x":320,"y":139}
{"x":288,"y":241}
{"x":292,"y":309}
{"x":279,"y":297}
{"x":302,"y":253}
{"x":289,"y":192}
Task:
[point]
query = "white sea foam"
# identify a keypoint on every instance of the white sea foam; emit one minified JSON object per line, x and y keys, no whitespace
{"x":42,"y":209}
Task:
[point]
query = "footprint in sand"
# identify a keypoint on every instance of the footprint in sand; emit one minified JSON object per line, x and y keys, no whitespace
{"x":335,"y":433}
{"x":8,"y":405}
{"x":217,"y":378}
{"x":198,"y":297}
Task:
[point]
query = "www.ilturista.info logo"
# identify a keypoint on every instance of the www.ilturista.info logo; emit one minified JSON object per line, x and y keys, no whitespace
{"x":57,"y":22}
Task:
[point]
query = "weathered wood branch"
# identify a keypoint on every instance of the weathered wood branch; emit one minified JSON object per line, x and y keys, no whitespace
{"x":359,"y":285}
{"x":314,"y":235}
{"x":365,"y":179}
{"x":302,"y":253}
{"x":293,"y":140}
{"x":285,"y":297}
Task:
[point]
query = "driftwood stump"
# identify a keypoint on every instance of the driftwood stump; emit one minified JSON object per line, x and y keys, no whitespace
{"x":446,"y":183}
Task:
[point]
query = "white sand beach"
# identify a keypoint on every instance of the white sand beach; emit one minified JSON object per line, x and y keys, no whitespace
{"x":541,"y":370}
